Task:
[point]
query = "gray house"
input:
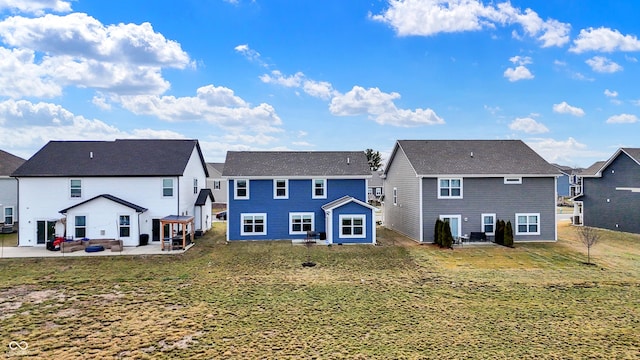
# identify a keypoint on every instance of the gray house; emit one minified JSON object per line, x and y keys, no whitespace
{"x":471,"y":184}
{"x":609,"y":196}
{"x":9,"y":191}
{"x":375,"y":187}
{"x":217,"y":184}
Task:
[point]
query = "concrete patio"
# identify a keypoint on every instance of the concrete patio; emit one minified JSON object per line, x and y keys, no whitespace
{"x":41,"y":252}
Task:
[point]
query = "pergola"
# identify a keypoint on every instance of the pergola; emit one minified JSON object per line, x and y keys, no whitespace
{"x":176,"y":220}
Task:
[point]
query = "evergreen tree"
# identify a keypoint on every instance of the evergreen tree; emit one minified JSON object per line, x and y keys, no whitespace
{"x":374,"y":158}
{"x":508,"y":235}
{"x":447,"y":240}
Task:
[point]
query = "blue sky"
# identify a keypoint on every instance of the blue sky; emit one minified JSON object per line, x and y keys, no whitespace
{"x":322,"y":75}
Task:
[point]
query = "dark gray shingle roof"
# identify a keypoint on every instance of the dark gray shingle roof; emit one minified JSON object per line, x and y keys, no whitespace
{"x":9,"y":163}
{"x":111,"y":158}
{"x":115,"y":199}
{"x":296,"y":163}
{"x":474,"y":157}
{"x":202,"y":197}
{"x":593,"y":169}
{"x":634,"y":153}
{"x":215,"y":169}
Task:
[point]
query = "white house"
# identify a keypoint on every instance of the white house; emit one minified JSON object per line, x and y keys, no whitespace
{"x":120,"y":189}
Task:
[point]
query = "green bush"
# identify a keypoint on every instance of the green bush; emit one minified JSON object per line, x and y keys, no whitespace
{"x":500,"y":226}
{"x":447,"y":239}
{"x":437,"y":237}
{"x":508,"y":235}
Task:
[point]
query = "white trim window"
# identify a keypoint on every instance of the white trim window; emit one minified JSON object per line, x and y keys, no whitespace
{"x":280,"y":189}
{"x":75,"y":188}
{"x":241,"y":189}
{"x":167,"y":187}
{"x":449,"y":188}
{"x":353,"y":226}
{"x":395,"y":196}
{"x":253,"y":224}
{"x":124,"y":226}
{"x":80,"y":228}
{"x":378,"y":191}
{"x":528,"y":224}
{"x":319,"y":189}
{"x":300,"y":223}
{"x":513,"y":180}
{"x":488,"y":223}
{"x":8,"y":215}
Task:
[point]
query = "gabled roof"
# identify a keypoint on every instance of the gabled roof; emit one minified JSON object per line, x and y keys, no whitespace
{"x":473,"y":158}
{"x":634,"y":153}
{"x":111,"y":158}
{"x":215,"y":169}
{"x":343,"y":201}
{"x":135,"y":207}
{"x":296,"y":164}
{"x":595,"y":170}
{"x":9,"y":163}
{"x":202,"y":197}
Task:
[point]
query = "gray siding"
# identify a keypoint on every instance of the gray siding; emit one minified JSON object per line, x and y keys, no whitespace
{"x":405,"y":216}
{"x":622,"y":210}
{"x":491,"y":195}
{"x":9,"y":197}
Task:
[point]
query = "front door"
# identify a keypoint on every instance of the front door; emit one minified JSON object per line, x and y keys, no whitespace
{"x":46,"y":230}
{"x":454,"y":223}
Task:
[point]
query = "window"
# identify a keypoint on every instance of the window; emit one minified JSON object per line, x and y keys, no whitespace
{"x":489,"y":223}
{"x":395,"y":196}
{"x":513,"y":180}
{"x":195,"y":186}
{"x":167,"y":187}
{"x":8,"y":215}
{"x":370,"y":191}
{"x":280,"y":189}
{"x":352,"y":226}
{"x":125,"y":226}
{"x":319,"y":189}
{"x":216,"y":184}
{"x":378,"y":191}
{"x":242,"y":189}
{"x":81,"y":227}
{"x":76,"y":188}
{"x":254,"y":224}
{"x":300,"y":223}
{"x":527,"y":224}
{"x":450,"y":188}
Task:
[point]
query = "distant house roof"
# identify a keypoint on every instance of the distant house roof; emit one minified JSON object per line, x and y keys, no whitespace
{"x":593,"y":169}
{"x":115,"y":199}
{"x":473,"y":157}
{"x":9,"y":163}
{"x":376,"y":178}
{"x":215,"y":169}
{"x":111,"y":158}
{"x":296,"y":164}
{"x":202,"y":197}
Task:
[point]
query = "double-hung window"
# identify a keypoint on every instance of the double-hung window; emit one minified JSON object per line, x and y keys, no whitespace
{"x":280,"y":189}
{"x":75,"y":188}
{"x":167,"y":187}
{"x":8,"y":215}
{"x":352,"y":226}
{"x":319,"y":189}
{"x":81,"y":226}
{"x":489,"y":224}
{"x":195,"y":186}
{"x":450,"y":188}
{"x":241,"y":188}
{"x":395,"y":196}
{"x":300,"y":223}
{"x":527,"y":224}
{"x":125,"y":226}
{"x":253,"y":224}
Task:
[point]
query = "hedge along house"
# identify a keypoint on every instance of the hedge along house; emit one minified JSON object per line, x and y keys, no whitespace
{"x":283,"y":195}
{"x":471,"y":184}
{"x":119,"y":189}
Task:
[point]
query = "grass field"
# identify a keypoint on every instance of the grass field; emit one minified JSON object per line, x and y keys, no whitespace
{"x":396,"y":300}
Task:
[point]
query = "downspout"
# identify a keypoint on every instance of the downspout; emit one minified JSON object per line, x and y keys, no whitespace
{"x":420,"y":214}
{"x":178,"y":195}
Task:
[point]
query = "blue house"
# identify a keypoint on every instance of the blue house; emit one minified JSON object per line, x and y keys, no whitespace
{"x":285,"y":195}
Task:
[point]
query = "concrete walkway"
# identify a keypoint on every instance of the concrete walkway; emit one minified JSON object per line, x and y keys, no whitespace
{"x":42,"y":252}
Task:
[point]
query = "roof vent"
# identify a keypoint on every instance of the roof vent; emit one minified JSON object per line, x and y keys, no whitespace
{"x":90,"y":154}
{"x":348,"y":160}
{"x":472,"y":154}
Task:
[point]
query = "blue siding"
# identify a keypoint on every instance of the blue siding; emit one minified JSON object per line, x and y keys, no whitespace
{"x":563,"y":185}
{"x":352,"y":208}
{"x":300,"y":200}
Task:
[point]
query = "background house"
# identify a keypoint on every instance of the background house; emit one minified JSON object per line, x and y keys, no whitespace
{"x":118,"y":189}
{"x":471,"y":184}
{"x":9,"y":191}
{"x":566,"y":181}
{"x":217,"y":184}
{"x":610,"y":193}
{"x":283,"y":195}
{"x":375,"y":187}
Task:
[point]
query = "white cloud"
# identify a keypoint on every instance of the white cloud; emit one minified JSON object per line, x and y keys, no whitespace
{"x":250,"y":54}
{"x":319,"y":89}
{"x":604,"y":40}
{"x":610,"y":93}
{"x":276,"y":77}
{"x":215,"y":105}
{"x":521,"y":60}
{"x":431,"y":17}
{"x":603,"y":65}
{"x":101,"y":102}
{"x":622,"y":119}
{"x":528,"y":125}
{"x":36,"y":7}
{"x":518,"y":73}
{"x":564,"y":108}
{"x":20,"y":76}
{"x":568,"y":152}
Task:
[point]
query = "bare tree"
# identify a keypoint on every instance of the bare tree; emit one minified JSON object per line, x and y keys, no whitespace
{"x":589,"y":237}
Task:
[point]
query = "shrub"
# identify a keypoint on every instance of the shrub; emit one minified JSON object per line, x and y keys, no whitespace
{"x":508,"y":235}
{"x":447,"y":239}
{"x":500,"y":232}
{"x":437,"y":237}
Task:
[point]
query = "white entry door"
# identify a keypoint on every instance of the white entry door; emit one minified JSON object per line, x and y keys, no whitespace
{"x":454,"y":223}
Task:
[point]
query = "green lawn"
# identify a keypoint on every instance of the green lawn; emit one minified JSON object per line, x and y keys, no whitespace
{"x":396,"y":300}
